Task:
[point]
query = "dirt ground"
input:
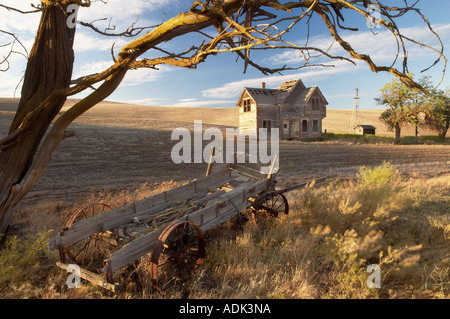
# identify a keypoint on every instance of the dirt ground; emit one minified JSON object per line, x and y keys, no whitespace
{"x":120,"y":147}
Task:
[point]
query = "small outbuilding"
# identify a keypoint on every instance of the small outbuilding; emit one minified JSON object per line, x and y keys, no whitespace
{"x":365,"y":129}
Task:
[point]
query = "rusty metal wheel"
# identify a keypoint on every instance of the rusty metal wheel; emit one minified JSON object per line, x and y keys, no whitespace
{"x":272,"y":204}
{"x":177,"y":255}
{"x":100,"y":244}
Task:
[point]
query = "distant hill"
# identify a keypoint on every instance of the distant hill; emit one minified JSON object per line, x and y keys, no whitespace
{"x":213,"y":116}
{"x":337,"y":121}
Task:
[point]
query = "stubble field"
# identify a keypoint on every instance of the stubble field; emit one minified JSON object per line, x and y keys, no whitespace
{"x":121,"y":149}
{"x":120,"y":146}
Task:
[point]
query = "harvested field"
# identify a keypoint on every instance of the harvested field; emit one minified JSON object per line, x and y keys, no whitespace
{"x":121,"y":146}
{"x":338,"y":121}
{"x":122,"y":153}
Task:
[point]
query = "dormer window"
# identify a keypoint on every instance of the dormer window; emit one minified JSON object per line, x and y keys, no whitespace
{"x":247,"y":105}
{"x":315,"y":103}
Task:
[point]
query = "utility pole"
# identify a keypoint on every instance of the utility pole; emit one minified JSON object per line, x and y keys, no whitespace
{"x":354,"y":121}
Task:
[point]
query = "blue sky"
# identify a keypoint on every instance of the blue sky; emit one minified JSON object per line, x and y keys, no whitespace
{"x":219,"y":81}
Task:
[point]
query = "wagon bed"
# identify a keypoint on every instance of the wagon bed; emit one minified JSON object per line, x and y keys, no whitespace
{"x":153,"y":224}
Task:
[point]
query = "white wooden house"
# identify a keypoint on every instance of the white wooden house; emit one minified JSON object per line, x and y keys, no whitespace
{"x":293,"y":108}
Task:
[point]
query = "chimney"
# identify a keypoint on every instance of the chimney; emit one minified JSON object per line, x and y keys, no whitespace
{"x":263,"y":85}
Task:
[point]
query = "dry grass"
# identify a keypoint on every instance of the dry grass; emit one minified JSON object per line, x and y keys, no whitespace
{"x":320,"y":250}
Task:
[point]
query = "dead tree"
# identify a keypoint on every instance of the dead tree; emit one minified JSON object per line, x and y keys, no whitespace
{"x":241,"y":26}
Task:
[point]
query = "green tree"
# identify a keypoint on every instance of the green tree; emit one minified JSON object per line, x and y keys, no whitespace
{"x":437,"y":115}
{"x":395,"y":95}
{"x":405,"y":104}
{"x":417,"y":104}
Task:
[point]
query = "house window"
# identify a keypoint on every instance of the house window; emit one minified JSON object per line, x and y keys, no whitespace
{"x":315,"y":104}
{"x":305,"y":126}
{"x":285,"y":125}
{"x":247,"y":105}
{"x":315,"y":126}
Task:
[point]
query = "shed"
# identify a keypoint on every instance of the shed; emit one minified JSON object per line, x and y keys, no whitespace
{"x":365,"y":129}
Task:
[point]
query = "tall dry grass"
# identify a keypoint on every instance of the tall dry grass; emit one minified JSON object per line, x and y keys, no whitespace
{"x":320,"y":250}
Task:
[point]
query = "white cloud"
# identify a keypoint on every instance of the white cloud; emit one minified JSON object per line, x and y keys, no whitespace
{"x":207,"y":103}
{"x":123,"y":13}
{"x":382,"y":48}
{"x":85,"y":43}
{"x":188,"y":100}
{"x":232,"y":89}
{"x":8,"y":84}
{"x":132,"y":78}
{"x":16,"y":22}
{"x":380,"y":45}
{"x":140,"y":76}
{"x":92,"y":68}
{"x":147,"y":102}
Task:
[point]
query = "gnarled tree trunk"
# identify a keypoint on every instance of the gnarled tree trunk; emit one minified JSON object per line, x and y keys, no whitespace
{"x":49,"y":67}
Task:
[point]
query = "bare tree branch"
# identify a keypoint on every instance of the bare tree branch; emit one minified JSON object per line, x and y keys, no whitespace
{"x":4,"y":59}
{"x":130,"y":32}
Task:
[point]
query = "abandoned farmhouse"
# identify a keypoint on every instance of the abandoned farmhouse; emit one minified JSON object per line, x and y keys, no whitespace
{"x":297,"y":111}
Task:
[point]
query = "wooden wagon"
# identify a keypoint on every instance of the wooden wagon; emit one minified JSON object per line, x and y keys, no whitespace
{"x":168,"y":226}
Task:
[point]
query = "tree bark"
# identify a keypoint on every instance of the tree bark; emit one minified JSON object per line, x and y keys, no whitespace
{"x":416,"y":132}
{"x":49,"y":68}
{"x":445,"y":129}
{"x":397,"y":134}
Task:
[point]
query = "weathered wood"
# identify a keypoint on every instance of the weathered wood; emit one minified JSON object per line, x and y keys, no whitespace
{"x":132,"y":251}
{"x":288,"y":105}
{"x":206,"y":219}
{"x":49,"y":68}
{"x":225,"y":208}
{"x":247,"y":173}
{"x":143,"y":224}
{"x":210,"y":163}
{"x":92,"y":277}
{"x":152,"y":205}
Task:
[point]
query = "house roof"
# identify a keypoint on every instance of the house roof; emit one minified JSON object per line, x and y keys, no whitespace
{"x":264,"y":96}
{"x":366,"y":126}
{"x":281,"y":94}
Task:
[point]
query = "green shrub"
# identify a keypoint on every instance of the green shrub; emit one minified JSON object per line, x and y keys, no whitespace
{"x":25,"y":261}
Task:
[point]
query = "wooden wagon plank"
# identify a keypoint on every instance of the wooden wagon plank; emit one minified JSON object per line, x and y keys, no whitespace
{"x":229,"y":205}
{"x":152,"y":205}
{"x":247,"y":173}
{"x":224,"y":207}
{"x":91,"y":277}
{"x":132,"y":251}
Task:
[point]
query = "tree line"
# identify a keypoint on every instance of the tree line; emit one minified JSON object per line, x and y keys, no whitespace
{"x":428,"y":107}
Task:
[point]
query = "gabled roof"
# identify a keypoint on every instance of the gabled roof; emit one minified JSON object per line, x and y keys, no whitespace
{"x":287,"y":90}
{"x":264,"y":96}
{"x":311,"y":92}
{"x":366,"y":126}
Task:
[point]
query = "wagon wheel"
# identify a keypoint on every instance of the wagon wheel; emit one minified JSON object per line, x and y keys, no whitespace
{"x":272,"y":204}
{"x":85,"y":250}
{"x":177,"y":255}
